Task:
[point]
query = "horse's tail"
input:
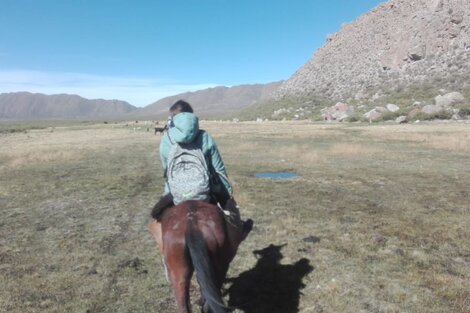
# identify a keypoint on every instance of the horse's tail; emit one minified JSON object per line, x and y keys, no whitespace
{"x":204,"y":268}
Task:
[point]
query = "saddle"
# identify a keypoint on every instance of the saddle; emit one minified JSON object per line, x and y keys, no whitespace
{"x":166,"y":202}
{"x":230,"y":212}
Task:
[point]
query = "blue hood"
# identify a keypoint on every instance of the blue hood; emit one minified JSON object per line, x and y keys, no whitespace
{"x":185,"y":127}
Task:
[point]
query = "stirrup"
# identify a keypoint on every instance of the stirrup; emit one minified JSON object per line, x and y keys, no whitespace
{"x":226,"y":212}
{"x":246,"y":228}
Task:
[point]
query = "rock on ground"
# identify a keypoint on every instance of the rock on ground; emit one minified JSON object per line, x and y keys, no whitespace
{"x":449,"y":98}
{"x":392,"y":107}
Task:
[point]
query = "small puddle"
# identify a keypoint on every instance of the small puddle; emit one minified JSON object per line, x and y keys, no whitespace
{"x":276,"y":175}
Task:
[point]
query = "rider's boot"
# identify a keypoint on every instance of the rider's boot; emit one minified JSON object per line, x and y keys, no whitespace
{"x":244,"y":226}
{"x":165,"y":202}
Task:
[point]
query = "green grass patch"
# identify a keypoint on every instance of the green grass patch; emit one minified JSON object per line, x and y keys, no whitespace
{"x":441,"y":115}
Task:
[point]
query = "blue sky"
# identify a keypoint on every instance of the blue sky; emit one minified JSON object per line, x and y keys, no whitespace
{"x":141,"y":51}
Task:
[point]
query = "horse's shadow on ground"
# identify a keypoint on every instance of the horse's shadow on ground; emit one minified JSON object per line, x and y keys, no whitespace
{"x":269,"y":286}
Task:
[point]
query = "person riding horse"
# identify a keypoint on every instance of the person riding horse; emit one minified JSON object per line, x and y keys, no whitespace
{"x":183,"y":128}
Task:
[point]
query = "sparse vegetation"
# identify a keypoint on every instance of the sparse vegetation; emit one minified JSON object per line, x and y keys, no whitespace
{"x":354,"y":118}
{"x":441,"y":115}
{"x":405,"y":96}
{"x":309,"y":107}
{"x":6,"y":128}
{"x":302,"y":108}
{"x":464,"y":111}
{"x":25,"y":126}
{"x":387,"y":116}
{"x":466,"y":92}
{"x":377,"y":220}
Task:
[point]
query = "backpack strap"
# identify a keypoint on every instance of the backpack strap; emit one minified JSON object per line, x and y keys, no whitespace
{"x":199,"y":134}
{"x":172,"y":141}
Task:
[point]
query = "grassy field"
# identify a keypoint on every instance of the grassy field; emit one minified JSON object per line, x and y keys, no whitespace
{"x":378,"y":219}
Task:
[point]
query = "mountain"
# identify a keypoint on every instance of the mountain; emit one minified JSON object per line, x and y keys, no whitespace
{"x":214,"y":101}
{"x":400,"y":42}
{"x":210,"y":102}
{"x":25,"y":105}
{"x":404,"y":51}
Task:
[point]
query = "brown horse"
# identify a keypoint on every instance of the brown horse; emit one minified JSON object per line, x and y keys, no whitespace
{"x":196,"y":238}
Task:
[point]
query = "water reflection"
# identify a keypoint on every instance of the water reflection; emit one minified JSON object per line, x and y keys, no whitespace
{"x":276,"y":175}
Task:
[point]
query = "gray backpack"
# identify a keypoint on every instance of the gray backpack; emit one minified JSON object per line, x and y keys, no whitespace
{"x":187,"y":173}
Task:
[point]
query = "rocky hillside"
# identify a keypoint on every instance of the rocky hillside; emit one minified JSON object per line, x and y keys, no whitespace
{"x":25,"y":105}
{"x":398,"y":43}
{"x":403,"y":52}
{"x":214,"y":101}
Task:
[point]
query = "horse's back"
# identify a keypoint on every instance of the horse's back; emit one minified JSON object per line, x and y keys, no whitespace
{"x":193,"y":215}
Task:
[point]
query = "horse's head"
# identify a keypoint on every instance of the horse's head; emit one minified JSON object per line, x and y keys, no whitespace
{"x":271,"y":253}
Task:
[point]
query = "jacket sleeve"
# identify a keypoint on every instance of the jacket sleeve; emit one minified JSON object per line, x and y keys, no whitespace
{"x":164,"y":149}
{"x":218,"y":164}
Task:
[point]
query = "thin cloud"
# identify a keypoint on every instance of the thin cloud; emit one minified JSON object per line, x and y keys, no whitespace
{"x":137,"y":91}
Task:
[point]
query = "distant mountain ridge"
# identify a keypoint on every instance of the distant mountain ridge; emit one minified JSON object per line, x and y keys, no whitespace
{"x":215,"y":101}
{"x":26,"y":105}
{"x":211,"y":102}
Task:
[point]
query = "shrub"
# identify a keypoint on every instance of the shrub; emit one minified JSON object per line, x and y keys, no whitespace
{"x":386,"y":116}
{"x":441,"y":115}
{"x":464,"y":111}
{"x":466,"y":93}
{"x":404,"y":97}
{"x":354,"y":118}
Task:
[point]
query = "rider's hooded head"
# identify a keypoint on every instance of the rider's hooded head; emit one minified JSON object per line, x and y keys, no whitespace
{"x":180,"y":106}
{"x":183,"y":125}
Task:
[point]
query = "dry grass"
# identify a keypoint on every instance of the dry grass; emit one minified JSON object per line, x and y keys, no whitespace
{"x":377,"y":220}
{"x":352,"y":150}
{"x":57,"y":145}
{"x":448,"y":138}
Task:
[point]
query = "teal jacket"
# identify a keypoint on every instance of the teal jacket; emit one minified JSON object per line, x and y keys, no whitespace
{"x":184,"y":128}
